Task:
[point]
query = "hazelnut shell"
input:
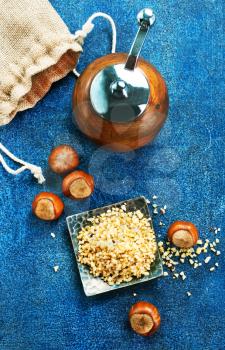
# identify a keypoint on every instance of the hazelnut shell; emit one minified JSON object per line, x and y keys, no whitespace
{"x":144,"y":318}
{"x":78,"y":185}
{"x":63,"y":159}
{"x":47,"y":206}
{"x":183,"y":234}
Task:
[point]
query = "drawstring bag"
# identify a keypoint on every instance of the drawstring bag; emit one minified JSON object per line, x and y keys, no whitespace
{"x":37,"y":49}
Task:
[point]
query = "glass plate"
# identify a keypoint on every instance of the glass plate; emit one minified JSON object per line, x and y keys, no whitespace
{"x":95,"y":285}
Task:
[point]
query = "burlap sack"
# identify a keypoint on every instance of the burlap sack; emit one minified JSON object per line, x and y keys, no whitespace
{"x":36,"y":50}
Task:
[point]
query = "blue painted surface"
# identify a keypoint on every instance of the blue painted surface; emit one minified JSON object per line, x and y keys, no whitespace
{"x":40,"y":309}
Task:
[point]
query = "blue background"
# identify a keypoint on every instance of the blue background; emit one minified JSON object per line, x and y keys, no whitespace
{"x":184,"y":166}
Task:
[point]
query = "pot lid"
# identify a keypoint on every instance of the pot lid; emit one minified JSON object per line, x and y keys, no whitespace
{"x":118,"y":94}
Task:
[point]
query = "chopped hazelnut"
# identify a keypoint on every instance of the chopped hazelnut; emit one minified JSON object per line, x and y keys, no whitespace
{"x":199,"y":241}
{"x":207,"y":259}
{"x":114,"y":257}
{"x":198,"y":251}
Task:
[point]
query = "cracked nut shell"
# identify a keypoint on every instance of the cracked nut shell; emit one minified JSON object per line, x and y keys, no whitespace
{"x":144,"y":318}
{"x":78,"y":185}
{"x":183,"y":234}
{"x":47,"y":206}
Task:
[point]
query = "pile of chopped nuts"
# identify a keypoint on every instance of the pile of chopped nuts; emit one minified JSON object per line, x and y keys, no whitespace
{"x":205,"y":252}
{"x":196,"y":256}
{"x":118,"y":245}
{"x":172,"y":256}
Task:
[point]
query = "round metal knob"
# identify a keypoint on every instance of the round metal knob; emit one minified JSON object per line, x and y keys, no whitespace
{"x":146,"y":17}
{"x":119,"y":89}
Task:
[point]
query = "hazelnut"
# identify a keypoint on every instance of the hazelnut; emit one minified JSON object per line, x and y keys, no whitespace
{"x":63,"y":159}
{"x":47,"y":206}
{"x":144,"y":318}
{"x":78,"y":185}
{"x":183,"y":234}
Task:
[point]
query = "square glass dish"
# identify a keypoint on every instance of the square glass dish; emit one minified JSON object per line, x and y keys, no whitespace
{"x":95,"y":285}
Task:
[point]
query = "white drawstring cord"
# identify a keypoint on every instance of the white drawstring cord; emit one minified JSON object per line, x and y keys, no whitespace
{"x":35,"y":170}
{"x":87,"y":28}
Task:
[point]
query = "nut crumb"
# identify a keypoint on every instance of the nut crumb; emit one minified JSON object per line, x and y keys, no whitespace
{"x":189,"y":294}
{"x":216,"y":230}
{"x":52,"y":234}
{"x":207,"y":259}
{"x":161,"y":223}
{"x":56,"y":268}
{"x":139,"y":214}
{"x":183,"y":276}
{"x":162,"y":211}
{"x":198,"y":251}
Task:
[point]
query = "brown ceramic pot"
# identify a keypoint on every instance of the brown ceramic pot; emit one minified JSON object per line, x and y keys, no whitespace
{"x":120,"y":136}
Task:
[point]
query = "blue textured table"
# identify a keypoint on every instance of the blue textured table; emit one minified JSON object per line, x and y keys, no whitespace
{"x":40,"y":309}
